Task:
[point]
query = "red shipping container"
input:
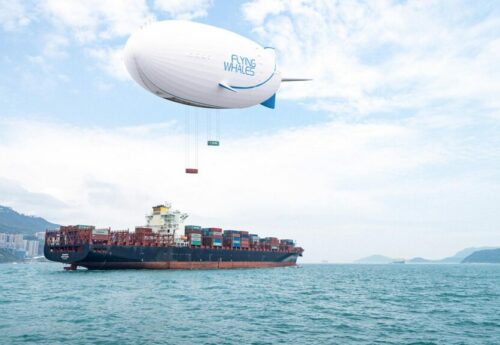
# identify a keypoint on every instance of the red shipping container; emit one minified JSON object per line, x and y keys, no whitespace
{"x":192,"y":231}
{"x":143,"y":230}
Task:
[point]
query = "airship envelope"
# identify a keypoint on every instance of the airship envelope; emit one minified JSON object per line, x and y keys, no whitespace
{"x":202,"y":65}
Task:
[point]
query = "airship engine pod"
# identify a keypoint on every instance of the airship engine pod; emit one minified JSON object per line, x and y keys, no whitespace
{"x":203,"y":66}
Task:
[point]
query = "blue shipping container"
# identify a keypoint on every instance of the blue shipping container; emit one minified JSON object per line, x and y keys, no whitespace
{"x":193,"y":227}
{"x":231,"y":231}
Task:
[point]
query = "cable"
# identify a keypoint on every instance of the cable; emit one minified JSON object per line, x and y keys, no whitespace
{"x":186,"y":137}
{"x":217,"y":124}
{"x":209,"y":125}
{"x":196,"y":138}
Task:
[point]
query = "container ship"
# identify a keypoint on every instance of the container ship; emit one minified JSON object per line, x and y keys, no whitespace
{"x":161,"y":245}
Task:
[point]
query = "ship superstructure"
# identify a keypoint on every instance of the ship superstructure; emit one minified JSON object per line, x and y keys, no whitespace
{"x":164,"y":220}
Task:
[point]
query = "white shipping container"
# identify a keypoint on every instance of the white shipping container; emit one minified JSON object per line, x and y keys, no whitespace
{"x":100,"y":231}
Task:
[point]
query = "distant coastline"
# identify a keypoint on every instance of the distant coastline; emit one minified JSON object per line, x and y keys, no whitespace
{"x":467,"y":255}
{"x":21,"y":236}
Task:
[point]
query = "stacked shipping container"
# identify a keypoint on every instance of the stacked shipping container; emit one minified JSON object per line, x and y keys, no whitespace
{"x":244,"y":239}
{"x":216,"y":237}
{"x":232,"y":239}
{"x":212,"y":237}
{"x":193,"y":233}
{"x":194,"y":236}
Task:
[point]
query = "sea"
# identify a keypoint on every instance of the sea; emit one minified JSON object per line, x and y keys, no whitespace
{"x":309,"y":304}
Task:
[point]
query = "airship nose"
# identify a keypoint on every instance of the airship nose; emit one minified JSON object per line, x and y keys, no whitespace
{"x":132,"y":54}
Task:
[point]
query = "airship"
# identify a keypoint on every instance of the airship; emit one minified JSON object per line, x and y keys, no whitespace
{"x":203,"y":66}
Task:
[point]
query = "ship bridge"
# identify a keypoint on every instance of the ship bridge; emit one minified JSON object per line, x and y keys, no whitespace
{"x":163,"y":219}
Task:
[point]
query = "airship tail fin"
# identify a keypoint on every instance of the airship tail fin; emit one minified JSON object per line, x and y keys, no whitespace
{"x":226,"y":86}
{"x":295,"y":79}
{"x":270,"y":102}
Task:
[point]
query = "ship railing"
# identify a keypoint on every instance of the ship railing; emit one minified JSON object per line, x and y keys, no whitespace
{"x":67,"y":237}
{"x":145,"y":239}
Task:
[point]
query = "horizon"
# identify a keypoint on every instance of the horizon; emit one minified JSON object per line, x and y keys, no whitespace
{"x":355,"y":261}
{"x":393,"y":148}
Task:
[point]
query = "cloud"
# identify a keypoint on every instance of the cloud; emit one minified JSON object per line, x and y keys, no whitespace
{"x":343,"y":190}
{"x":54,"y":46}
{"x":257,"y":11}
{"x":98,"y":20}
{"x":184,"y":9}
{"x":54,"y":49}
{"x":94,"y":20}
{"x":407,"y":165}
{"x":14,"y":195}
{"x":94,"y":24}
{"x":110,"y":60}
{"x":13,"y":15}
{"x":380,"y":57}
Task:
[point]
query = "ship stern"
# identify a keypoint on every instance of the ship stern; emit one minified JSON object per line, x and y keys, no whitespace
{"x":68,"y":245}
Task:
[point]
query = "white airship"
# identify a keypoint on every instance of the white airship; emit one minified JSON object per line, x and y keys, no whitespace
{"x":202,"y":65}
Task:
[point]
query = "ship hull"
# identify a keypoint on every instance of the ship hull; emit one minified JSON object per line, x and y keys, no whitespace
{"x":142,"y":257}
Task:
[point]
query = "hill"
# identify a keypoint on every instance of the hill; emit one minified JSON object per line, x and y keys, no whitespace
{"x":455,"y":259}
{"x":12,"y":221}
{"x":458,"y":257}
{"x":419,"y":260}
{"x":490,"y":256}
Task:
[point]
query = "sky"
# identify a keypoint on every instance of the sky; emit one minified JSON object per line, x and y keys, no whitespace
{"x":393,"y":148}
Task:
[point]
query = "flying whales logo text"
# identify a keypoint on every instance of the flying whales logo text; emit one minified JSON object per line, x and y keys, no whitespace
{"x":240,"y":64}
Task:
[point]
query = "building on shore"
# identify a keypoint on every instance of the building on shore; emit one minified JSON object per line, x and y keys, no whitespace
{"x":22,"y":248}
{"x":31,"y":248}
